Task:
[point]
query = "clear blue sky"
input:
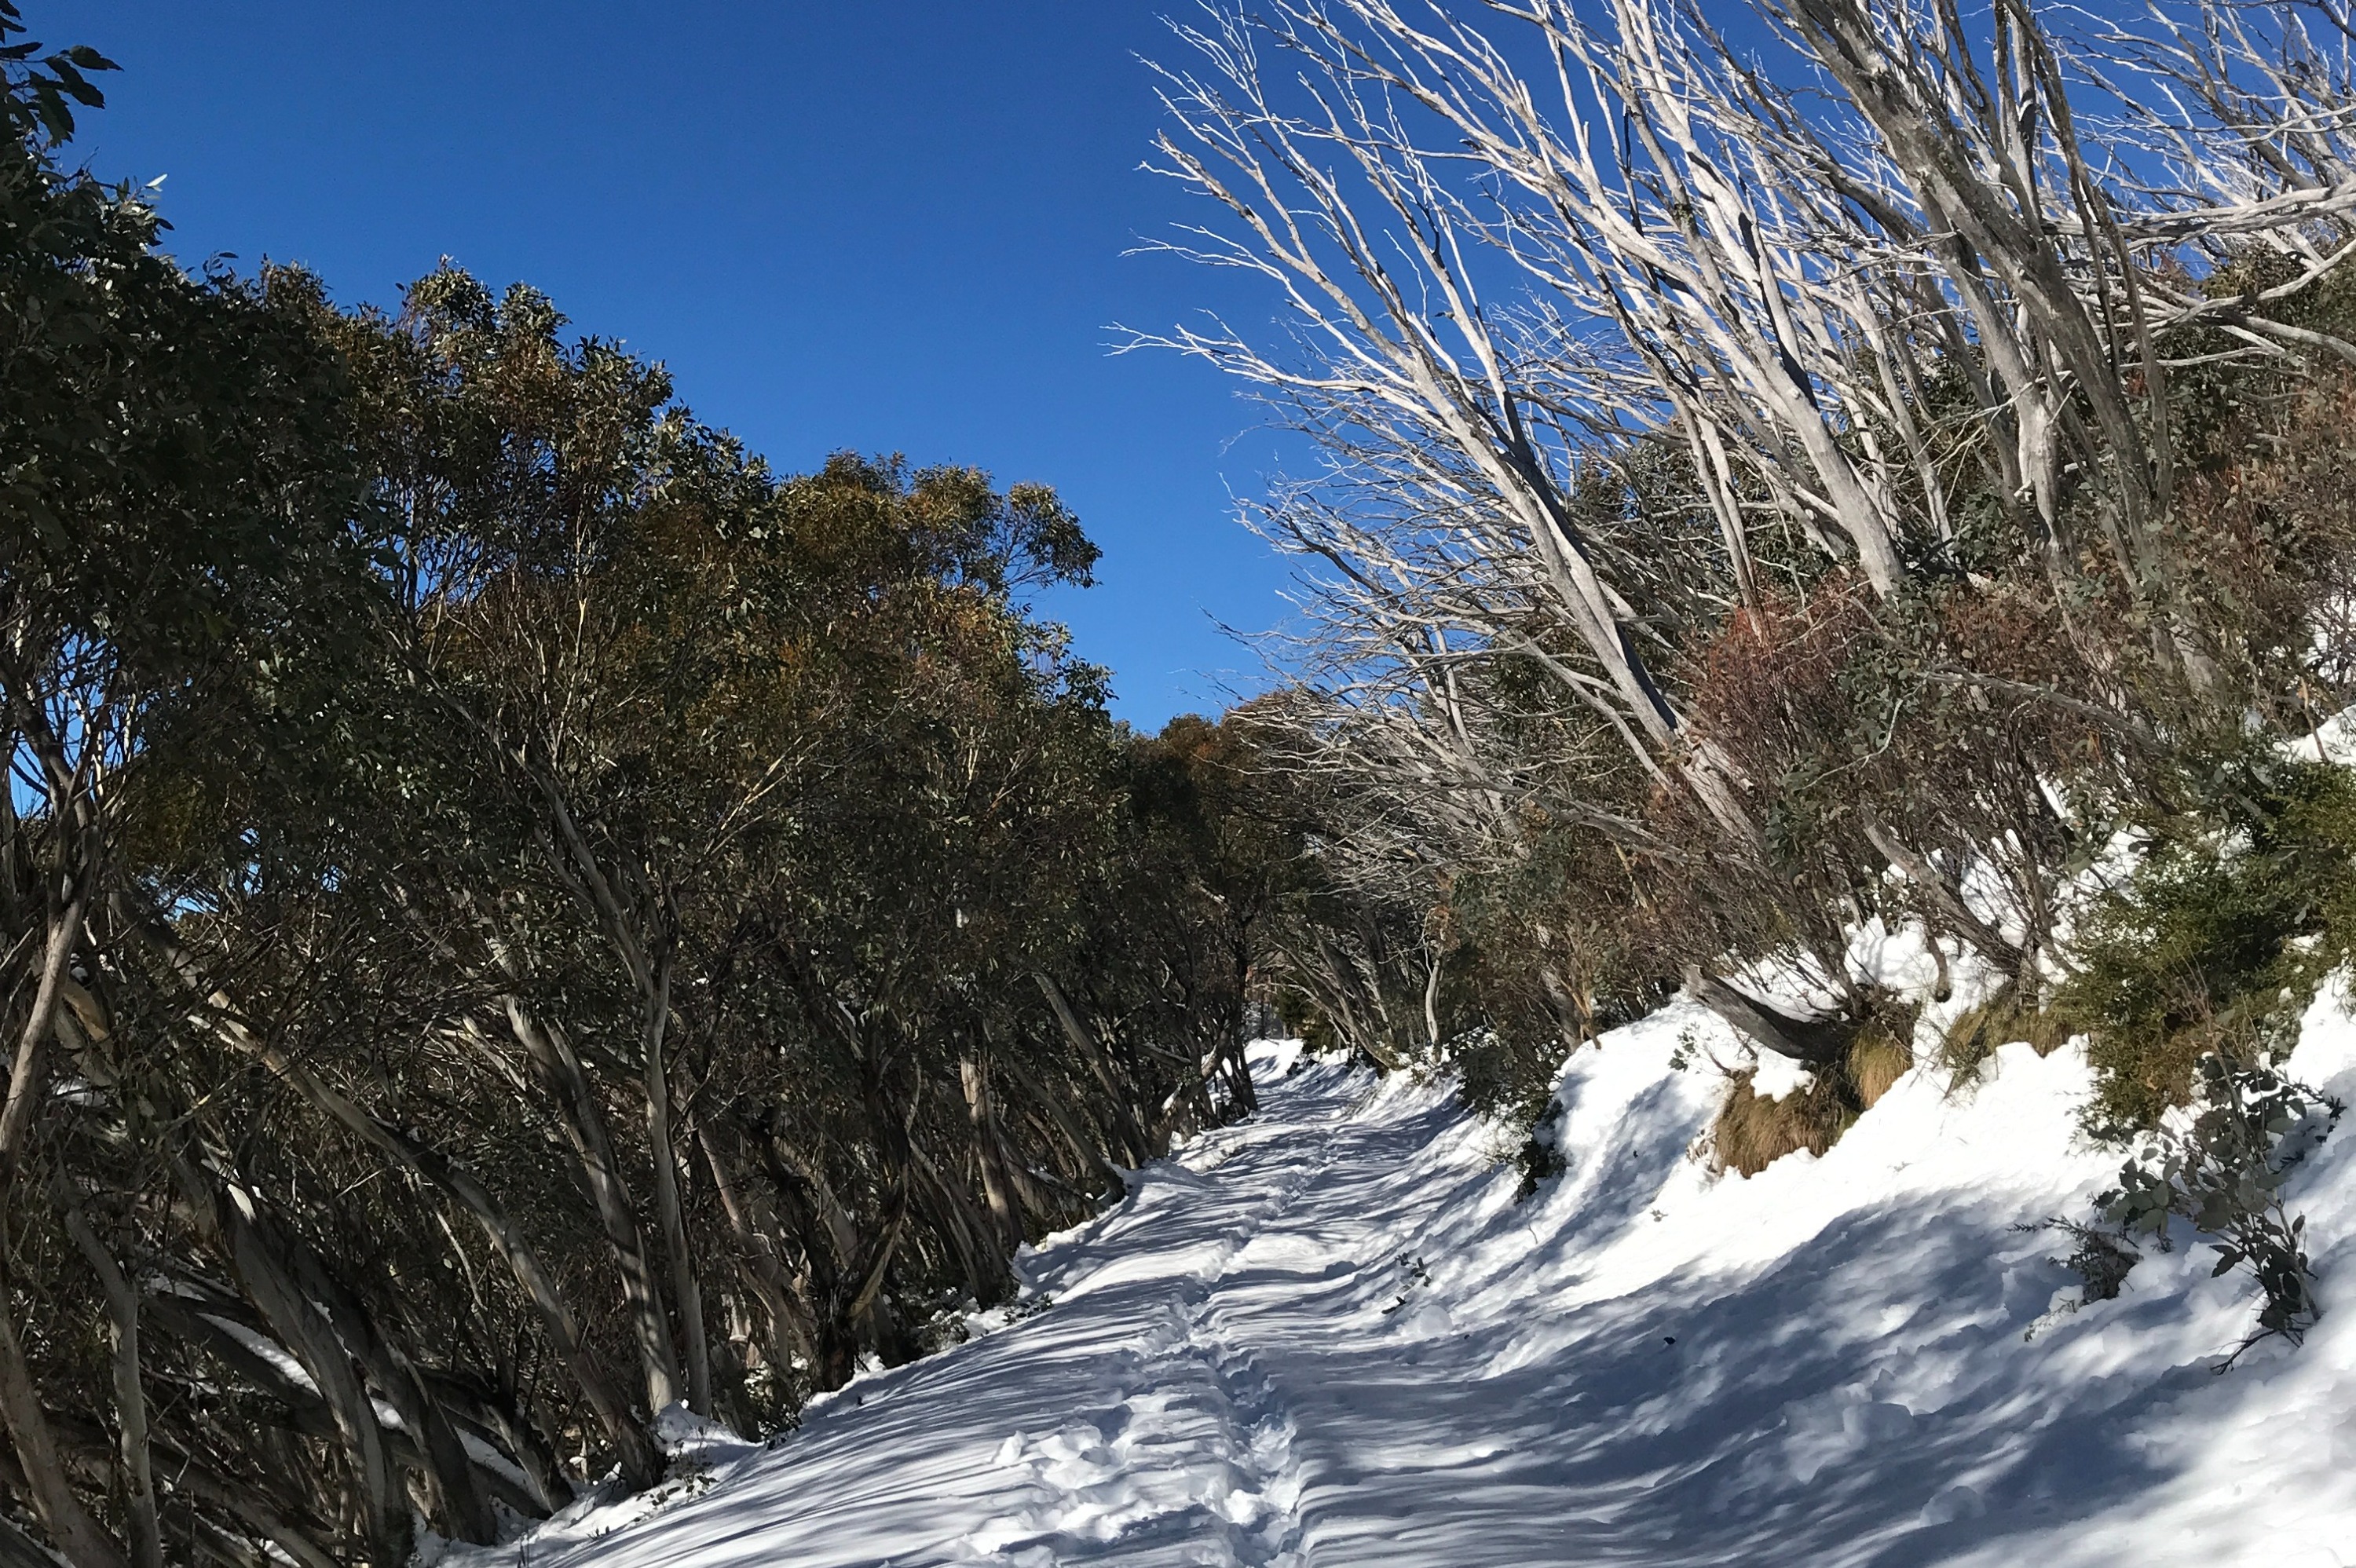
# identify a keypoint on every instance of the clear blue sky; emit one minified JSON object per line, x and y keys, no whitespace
{"x":880,"y":226}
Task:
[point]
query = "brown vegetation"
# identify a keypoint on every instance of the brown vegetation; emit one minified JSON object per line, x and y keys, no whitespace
{"x":1753,"y":1131}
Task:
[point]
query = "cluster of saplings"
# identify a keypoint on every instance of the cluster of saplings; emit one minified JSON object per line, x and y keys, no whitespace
{"x":514,"y":917}
{"x":1847,"y":462}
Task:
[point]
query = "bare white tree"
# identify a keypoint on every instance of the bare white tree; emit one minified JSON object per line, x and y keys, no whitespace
{"x":1396,"y":353}
{"x":1520,"y":242}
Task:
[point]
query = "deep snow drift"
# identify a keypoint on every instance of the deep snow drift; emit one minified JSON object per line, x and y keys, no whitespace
{"x":1328,"y":1335}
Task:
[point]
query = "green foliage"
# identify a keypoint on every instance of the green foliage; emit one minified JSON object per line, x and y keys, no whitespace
{"x":1545,"y":952}
{"x":482,"y":801}
{"x":43,"y":88}
{"x":2238,"y":904}
{"x":1211,"y":854}
{"x":175,"y":467}
{"x":2100,"y":1259}
{"x":1507,"y":1074}
{"x":1540,"y":1158}
{"x":1303,"y":1020}
{"x":2221,"y":1169}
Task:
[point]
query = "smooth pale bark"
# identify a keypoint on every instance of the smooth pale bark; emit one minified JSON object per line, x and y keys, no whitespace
{"x":1083,"y":1148}
{"x":1085,"y":1040}
{"x":18,"y":1550}
{"x":628,"y":931}
{"x":145,"y":1530}
{"x":641,"y":1462}
{"x":1574,"y":1011}
{"x":997,"y":1188}
{"x":793,"y":1327}
{"x":1413,"y":354}
{"x":201,"y":1326}
{"x":550,"y":1491}
{"x":834,"y":1219}
{"x":459,"y":1509}
{"x":685,"y":1292}
{"x":861,"y":1308}
{"x":1333,"y":979}
{"x":77,"y":1534}
{"x":953,"y":1218}
{"x":263,"y":1271}
{"x":423,"y":1403}
{"x":29,"y":1071}
{"x":2001,"y":235}
{"x":847,"y":1275}
{"x":897,"y":1153}
{"x":593,"y":1147}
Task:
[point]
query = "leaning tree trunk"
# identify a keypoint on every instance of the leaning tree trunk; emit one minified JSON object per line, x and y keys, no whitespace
{"x":78,"y":1536}
{"x":1811,"y":1041}
{"x":641,"y":1462}
{"x":685,"y":1292}
{"x":1126,"y":1121}
{"x":990,"y":1152}
{"x":76,"y":1533}
{"x":584,"y":1128}
{"x":257,"y":1257}
{"x":793,"y":1327}
{"x":144,"y":1527}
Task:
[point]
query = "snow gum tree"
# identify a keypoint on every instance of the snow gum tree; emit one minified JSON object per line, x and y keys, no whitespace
{"x":517,"y":922}
{"x":1767,"y":471}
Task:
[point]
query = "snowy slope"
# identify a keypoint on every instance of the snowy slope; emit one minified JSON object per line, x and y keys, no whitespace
{"x":1328,"y":1335}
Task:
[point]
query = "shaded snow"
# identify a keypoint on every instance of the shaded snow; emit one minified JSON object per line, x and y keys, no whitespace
{"x":1328,"y":1335}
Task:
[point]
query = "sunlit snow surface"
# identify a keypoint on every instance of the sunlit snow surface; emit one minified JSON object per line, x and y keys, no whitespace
{"x":1328,"y":1335}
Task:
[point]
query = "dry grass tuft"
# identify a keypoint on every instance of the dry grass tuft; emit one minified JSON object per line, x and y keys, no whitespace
{"x":1752,"y":1132}
{"x":1979,"y":1032}
{"x":1879,"y":1059}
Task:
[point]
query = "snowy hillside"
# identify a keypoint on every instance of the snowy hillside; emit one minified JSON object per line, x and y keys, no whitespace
{"x":1328,"y":1335}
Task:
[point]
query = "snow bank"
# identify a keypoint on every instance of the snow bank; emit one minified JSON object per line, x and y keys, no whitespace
{"x":1329,"y":1336}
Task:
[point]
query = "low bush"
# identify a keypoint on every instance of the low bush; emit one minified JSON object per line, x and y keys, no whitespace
{"x":1753,"y":1131}
{"x":2240,"y":901}
{"x":1507,"y":1073}
{"x":2221,"y":1169}
{"x":1539,"y":1158}
{"x":2102,"y":1260}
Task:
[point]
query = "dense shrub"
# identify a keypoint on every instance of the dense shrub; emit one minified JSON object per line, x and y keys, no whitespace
{"x":2238,"y":903}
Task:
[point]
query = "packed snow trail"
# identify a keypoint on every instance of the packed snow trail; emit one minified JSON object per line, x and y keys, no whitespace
{"x":1327,"y":1335}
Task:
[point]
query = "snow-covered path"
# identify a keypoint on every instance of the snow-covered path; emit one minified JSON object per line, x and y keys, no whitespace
{"x":1145,"y":1414}
{"x":1327,"y":1335}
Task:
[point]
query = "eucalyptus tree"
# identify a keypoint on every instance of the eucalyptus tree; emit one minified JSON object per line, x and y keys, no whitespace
{"x":184,"y":552}
{"x":1866,"y":282}
{"x":516,"y":916}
